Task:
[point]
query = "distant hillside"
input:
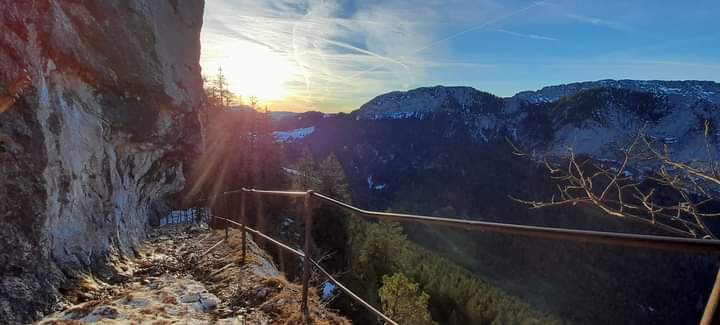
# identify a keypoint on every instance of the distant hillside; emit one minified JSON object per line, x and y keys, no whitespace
{"x":443,"y":151}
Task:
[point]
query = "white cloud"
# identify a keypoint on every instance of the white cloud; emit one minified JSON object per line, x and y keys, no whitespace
{"x":340,"y":53}
{"x":596,"y":21}
{"x":365,"y":45}
{"x":531,"y":36}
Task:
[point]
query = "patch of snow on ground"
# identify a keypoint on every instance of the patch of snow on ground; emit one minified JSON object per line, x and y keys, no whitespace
{"x":291,"y":171}
{"x":191,"y":215}
{"x":328,"y":290}
{"x":295,"y":172}
{"x":289,"y":136}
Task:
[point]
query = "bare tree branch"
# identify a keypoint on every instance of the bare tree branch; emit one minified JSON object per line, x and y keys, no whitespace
{"x":675,"y":198}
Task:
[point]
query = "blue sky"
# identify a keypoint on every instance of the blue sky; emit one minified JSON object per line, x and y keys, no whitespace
{"x":336,"y":55}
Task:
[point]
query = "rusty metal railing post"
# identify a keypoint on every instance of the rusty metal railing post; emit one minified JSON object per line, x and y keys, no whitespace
{"x":227,"y":211}
{"x":210,"y":216}
{"x":711,"y":308}
{"x":306,"y":260}
{"x":243,"y":220}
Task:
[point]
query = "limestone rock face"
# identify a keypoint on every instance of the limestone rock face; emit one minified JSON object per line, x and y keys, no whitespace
{"x":96,"y":145}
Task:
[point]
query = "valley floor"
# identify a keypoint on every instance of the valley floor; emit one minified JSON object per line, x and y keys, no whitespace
{"x":183,"y":278}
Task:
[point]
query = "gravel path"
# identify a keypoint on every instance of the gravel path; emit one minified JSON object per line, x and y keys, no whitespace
{"x":173,"y":283}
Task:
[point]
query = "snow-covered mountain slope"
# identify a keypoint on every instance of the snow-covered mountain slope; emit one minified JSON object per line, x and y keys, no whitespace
{"x":593,"y":117}
{"x":691,"y":89}
{"x":287,"y":136}
{"x":421,"y":101}
{"x":442,"y":151}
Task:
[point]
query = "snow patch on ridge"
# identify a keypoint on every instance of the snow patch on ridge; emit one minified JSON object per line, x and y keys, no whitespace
{"x":289,"y":136}
{"x":707,"y":90}
{"x":417,"y":103}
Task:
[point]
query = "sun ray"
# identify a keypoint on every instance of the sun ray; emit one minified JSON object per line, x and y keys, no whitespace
{"x":255,"y":70}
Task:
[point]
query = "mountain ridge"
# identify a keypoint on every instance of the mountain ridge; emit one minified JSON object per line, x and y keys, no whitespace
{"x":443,"y":151}
{"x":388,"y":105}
{"x":585,"y":115}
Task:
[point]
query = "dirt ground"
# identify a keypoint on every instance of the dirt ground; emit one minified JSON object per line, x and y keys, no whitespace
{"x":183,"y":276}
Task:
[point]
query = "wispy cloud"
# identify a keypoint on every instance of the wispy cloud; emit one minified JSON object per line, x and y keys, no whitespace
{"x":370,"y":45}
{"x":531,"y":36}
{"x":596,"y":21}
{"x":326,"y":41}
{"x":341,"y":53}
{"x":482,"y":26}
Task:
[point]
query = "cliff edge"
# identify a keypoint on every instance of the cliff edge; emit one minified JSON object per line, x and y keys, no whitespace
{"x":94,"y":146}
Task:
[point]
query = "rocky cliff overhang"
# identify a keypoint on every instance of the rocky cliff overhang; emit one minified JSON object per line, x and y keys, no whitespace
{"x":95,"y":145}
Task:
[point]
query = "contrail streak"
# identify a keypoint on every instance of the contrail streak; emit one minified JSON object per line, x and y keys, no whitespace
{"x":371,"y":53}
{"x":339,"y":44}
{"x":530,"y":36}
{"x":296,"y":57}
{"x":458,"y":34}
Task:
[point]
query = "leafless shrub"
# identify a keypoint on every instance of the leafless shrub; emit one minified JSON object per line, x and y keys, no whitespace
{"x":675,"y":197}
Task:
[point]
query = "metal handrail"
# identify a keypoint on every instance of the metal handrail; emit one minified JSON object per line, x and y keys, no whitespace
{"x":281,"y":193}
{"x":588,"y":236}
{"x":315,"y":264}
{"x":257,"y":232}
{"x":353,"y":295}
{"x":578,"y":235}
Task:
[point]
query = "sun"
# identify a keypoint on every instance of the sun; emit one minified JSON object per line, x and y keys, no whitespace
{"x":254,"y":70}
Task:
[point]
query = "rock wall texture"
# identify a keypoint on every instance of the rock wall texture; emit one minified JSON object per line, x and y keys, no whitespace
{"x":95,"y":146}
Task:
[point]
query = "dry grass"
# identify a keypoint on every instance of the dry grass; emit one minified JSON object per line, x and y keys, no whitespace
{"x":276,"y":282}
{"x":86,"y":308}
{"x":286,"y":307}
{"x":147,"y":311}
{"x":87,"y":284}
{"x":168,"y":299}
{"x":156,"y":310}
{"x":240,"y":288}
{"x":161,"y":322}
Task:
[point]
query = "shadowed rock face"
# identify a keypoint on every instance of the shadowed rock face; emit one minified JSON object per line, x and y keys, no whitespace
{"x":95,"y":146}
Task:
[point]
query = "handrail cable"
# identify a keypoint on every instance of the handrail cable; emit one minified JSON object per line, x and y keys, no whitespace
{"x":317,"y":266}
{"x":585,"y":236}
{"x":273,"y":240}
{"x":590,"y":236}
{"x":352,"y":294}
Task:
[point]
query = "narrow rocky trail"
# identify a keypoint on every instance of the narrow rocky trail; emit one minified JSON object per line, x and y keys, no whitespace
{"x":179,"y":279}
